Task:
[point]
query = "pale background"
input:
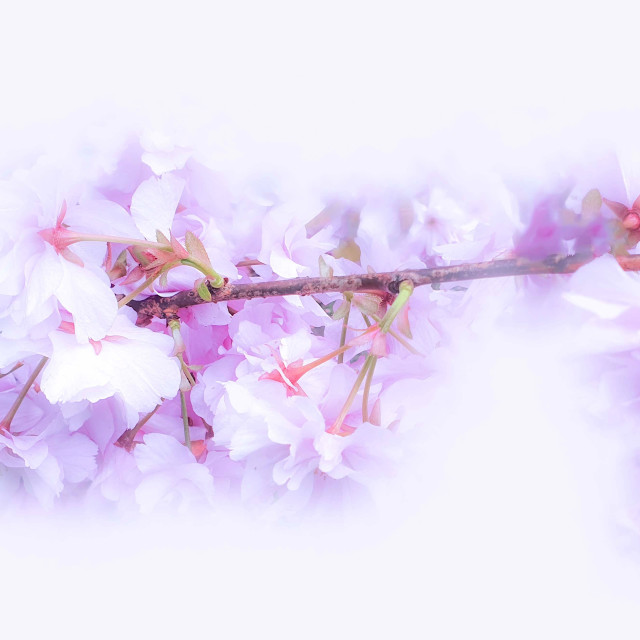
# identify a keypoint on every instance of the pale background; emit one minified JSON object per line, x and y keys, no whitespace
{"x":507,"y":525}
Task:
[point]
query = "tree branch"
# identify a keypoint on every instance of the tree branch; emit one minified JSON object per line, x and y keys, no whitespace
{"x":388,"y":282}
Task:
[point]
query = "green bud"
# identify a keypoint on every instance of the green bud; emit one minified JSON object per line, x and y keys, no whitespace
{"x":203,"y":290}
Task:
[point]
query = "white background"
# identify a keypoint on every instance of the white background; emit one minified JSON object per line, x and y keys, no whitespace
{"x":508,"y":530}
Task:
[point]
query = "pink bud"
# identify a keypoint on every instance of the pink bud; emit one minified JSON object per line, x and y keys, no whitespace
{"x":631,"y":221}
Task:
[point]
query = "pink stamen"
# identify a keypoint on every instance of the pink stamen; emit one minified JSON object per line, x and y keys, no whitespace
{"x":290,"y":374}
{"x":62,"y":214}
{"x":60,"y":238}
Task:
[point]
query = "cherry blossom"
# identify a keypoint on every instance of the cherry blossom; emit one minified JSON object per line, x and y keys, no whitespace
{"x":284,"y":403}
{"x":170,"y":473}
{"x":45,"y":273}
{"x":129,"y":361}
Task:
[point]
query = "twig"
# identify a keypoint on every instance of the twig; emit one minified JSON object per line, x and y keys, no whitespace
{"x":388,"y":282}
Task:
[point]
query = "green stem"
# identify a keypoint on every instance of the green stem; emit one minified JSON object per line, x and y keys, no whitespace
{"x":367,"y":387}
{"x":119,"y":240}
{"x":345,"y":321}
{"x":318,"y":361}
{"x":186,"y":371}
{"x":403,"y":341}
{"x":335,"y":428}
{"x":5,"y":423}
{"x":138,"y":290}
{"x":217,"y":279}
{"x":404,"y":293}
{"x":185,"y":420}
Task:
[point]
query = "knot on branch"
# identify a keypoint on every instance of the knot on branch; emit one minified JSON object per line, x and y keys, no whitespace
{"x":397,"y":278}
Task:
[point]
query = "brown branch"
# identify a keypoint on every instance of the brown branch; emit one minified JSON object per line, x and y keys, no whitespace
{"x":157,"y":306}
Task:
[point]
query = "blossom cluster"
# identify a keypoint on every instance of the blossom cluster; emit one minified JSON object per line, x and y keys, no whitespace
{"x":283,"y":403}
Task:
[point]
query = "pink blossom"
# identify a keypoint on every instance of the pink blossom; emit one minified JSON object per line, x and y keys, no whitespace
{"x":285,"y":245}
{"x":269,"y":399}
{"x":170,"y":474}
{"x":132,"y":362}
{"x":39,"y":274}
{"x":40,"y":454}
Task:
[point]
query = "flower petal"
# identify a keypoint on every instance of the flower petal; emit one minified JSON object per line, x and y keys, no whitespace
{"x":154,"y":204}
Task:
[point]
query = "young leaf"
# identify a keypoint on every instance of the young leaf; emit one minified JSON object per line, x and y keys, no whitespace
{"x":203,"y":290}
{"x":325,"y":270}
{"x":367,"y":303}
{"x":196,"y":249}
{"x":178,"y":249}
{"x":341,"y":311}
{"x":160,"y":237}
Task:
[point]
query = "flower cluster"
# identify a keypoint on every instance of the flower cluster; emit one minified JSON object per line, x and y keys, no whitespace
{"x":283,"y":402}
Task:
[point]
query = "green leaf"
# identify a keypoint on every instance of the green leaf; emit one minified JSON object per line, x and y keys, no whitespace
{"x":196,"y":249}
{"x":325,"y":270}
{"x":591,"y":203}
{"x":367,"y":303}
{"x":341,"y":311}
{"x":178,"y":249}
{"x":203,"y":290}
{"x":160,"y":237}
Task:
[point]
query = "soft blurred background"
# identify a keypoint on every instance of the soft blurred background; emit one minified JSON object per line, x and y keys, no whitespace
{"x":503,"y":522}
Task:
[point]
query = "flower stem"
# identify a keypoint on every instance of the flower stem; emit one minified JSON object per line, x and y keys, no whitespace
{"x":404,"y":293}
{"x":367,"y":387}
{"x":345,"y":323}
{"x":318,"y":361}
{"x":337,"y":425}
{"x":120,"y":240}
{"x":5,"y":423}
{"x":185,"y":420}
{"x":403,"y":341}
{"x":143,"y":421}
{"x":138,"y":290}
{"x":14,"y":368}
{"x":185,"y":370}
{"x":126,"y":439}
{"x":215,"y":278}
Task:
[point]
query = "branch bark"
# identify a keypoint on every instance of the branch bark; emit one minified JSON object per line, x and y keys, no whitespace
{"x":387,"y":282}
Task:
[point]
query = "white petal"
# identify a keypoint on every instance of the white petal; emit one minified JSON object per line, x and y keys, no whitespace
{"x":604,"y":288}
{"x":88,"y":297}
{"x":43,"y":278}
{"x":76,"y":454}
{"x":102,"y":217}
{"x":154,"y":204}
{"x":161,"y":452}
{"x":161,"y":153}
{"x":281,"y":264}
{"x":139,"y":368}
